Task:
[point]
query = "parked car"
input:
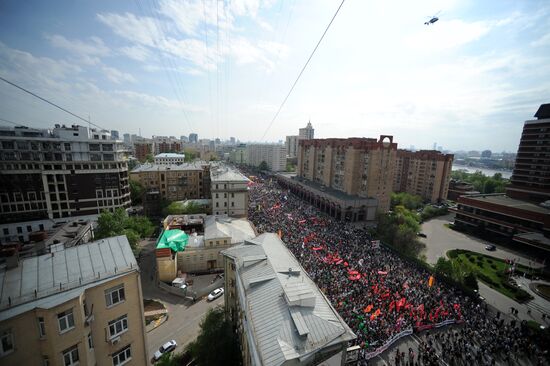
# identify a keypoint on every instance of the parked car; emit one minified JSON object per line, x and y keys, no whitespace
{"x":165,"y":348}
{"x":490,"y":248}
{"x":422,"y":235}
{"x":215,"y":294}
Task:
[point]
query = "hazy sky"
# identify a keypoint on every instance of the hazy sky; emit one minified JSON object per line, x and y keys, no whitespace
{"x":222,"y":68}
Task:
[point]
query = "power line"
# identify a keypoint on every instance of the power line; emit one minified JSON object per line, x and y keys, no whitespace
{"x":51,"y":103}
{"x":302,"y":71}
{"x":13,"y":123}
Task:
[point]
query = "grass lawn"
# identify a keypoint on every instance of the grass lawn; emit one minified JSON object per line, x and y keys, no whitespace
{"x":492,"y":271}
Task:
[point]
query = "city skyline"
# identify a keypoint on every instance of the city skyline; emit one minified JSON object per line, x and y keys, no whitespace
{"x":469,"y":81}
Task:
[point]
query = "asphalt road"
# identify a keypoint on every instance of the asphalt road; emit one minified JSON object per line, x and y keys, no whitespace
{"x":184,"y":317}
{"x":441,"y":239}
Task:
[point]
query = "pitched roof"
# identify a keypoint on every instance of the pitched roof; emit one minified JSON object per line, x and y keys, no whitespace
{"x":289,"y":318}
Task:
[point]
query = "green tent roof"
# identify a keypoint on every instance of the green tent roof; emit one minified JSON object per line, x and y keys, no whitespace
{"x":175,"y":239}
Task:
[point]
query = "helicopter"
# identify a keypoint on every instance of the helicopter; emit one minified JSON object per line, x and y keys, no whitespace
{"x":432,"y":19}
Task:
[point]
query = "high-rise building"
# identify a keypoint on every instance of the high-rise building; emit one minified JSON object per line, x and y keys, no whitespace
{"x":229,"y":191}
{"x":114,"y":135}
{"x":425,"y":173}
{"x":184,"y":139}
{"x":127,"y":139}
{"x":232,"y":141}
{"x":75,"y":305}
{"x":307,"y":133}
{"x":239,"y":155}
{"x":142,"y":149}
{"x":193,"y":138}
{"x":63,"y":172}
{"x":531,"y":177}
{"x":273,"y":154}
{"x":361,"y":167}
{"x":163,"y":144}
{"x":280,"y":315}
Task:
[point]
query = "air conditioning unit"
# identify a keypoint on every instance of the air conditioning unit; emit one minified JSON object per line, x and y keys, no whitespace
{"x":115,"y":340}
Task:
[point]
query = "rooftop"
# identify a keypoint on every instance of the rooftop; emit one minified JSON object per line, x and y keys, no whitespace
{"x":225,"y":173}
{"x":503,"y":200}
{"x":170,"y":155}
{"x":238,"y":230}
{"x":543,"y":111}
{"x":196,"y":165}
{"x":289,"y":318}
{"x":55,"y":277}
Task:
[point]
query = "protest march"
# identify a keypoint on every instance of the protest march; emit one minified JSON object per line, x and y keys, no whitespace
{"x":382,"y":295}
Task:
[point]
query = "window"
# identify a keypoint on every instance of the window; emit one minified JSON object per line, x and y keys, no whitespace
{"x":41,"y":327}
{"x":6,"y":231}
{"x":6,"y":343}
{"x":232,"y":204}
{"x":118,"y":326}
{"x":90,"y":341}
{"x":29,"y":228}
{"x":45,"y":361}
{"x":114,"y":295}
{"x":66,"y":321}
{"x":122,"y":356}
{"x":19,"y":230}
{"x":70,"y":356}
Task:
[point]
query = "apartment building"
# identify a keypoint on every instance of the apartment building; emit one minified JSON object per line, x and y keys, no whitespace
{"x":425,"y":173}
{"x":170,"y":158}
{"x":273,"y":154}
{"x":229,"y":191}
{"x":63,"y":172}
{"x":350,"y":168}
{"x":142,"y":149}
{"x":239,"y":155}
{"x":291,"y":144}
{"x":280,"y":315}
{"x":165,"y":144}
{"x":531,"y":177}
{"x":193,"y":138}
{"x":175,"y":182}
{"x":73,"y":306}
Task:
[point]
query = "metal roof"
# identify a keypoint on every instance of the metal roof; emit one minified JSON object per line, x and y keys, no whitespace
{"x":196,"y":165}
{"x":224,"y":173}
{"x":170,"y":155}
{"x":289,"y":318}
{"x":62,"y":270}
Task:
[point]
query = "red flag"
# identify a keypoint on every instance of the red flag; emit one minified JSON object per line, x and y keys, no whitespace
{"x":392,"y":305}
{"x":368,"y":309}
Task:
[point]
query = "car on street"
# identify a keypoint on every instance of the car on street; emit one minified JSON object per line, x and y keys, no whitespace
{"x":422,"y":235}
{"x":490,"y":247}
{"x":215,"y":294}
{"x":165,"y":348}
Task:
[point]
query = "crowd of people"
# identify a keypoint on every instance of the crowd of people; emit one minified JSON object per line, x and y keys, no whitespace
{"x":378,"y":293}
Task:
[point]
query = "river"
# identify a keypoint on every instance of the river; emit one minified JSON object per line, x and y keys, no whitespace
{"x":489,"y":172}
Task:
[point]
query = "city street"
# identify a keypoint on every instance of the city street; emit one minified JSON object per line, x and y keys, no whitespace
{"x":184,"y":317}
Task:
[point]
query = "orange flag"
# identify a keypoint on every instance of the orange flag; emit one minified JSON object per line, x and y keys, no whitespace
{"x":431,"y":281}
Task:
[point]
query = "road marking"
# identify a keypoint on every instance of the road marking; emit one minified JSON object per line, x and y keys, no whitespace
{"x":385,"y":363}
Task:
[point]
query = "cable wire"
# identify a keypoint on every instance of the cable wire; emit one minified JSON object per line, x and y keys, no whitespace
{"x":13,"y":123}
{"x":51,"y":103}
{"x":302,"y":71}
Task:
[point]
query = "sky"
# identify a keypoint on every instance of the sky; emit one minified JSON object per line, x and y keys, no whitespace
{"x":222,"y":68}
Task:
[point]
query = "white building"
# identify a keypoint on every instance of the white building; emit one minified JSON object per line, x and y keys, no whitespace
{"x":273,"y":154}
{"x":281,"y":316}
{"x":307,"y":133}
{"x":170,"y":158}
{"x":291,"y":143}
{"x":229,"y":191}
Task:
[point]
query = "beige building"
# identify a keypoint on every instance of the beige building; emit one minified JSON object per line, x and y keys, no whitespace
{"x":281,"y":316}
{"x":76,"y":306}
{"x":291,"y":144}
{"x":208,"y":236}
{"x":175,"y":182}
{"x":229,"y":191}
{"x":356,"y":167}
{"x":425,"y":173}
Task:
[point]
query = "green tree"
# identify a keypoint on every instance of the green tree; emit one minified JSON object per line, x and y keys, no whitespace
{"x":178,"y":208}
{"x":136,"y":192}
{"x":444,"y":266}
{"x":149,"y":158}
{"x":190,"y":155}
{"x":119,"y":223}
{"x":215,"y":330}
{"x":410,"y":201}
{"x":263,"y":166}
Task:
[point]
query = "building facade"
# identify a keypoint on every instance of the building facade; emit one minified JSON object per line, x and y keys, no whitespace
{"x":307,"y":133}
{"x":273,"y":154}
{"x":142,"y":149}
{"x":531,"y":177}
{"x":459,"y":188}
{"x":280,"y":315}
{"x":175,"y":182}
{"x":425,"y":173}
{"x":360,"y":167}
{"x":170,"y":158}
{"x":63,"y":172}
{"x":193,"y":138}
{"x":291,"y":143}
{"x":239,"y":155}
{"x":229,"y":191}
{"x":73,"y":307}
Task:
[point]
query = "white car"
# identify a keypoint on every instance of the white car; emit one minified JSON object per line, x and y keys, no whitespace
{"x":165,"y":348}
{"x":215,"y":294}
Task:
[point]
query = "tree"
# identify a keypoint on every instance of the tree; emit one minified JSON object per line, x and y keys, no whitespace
{"x":215,"y":330}
{"x":470,"y":281}
{"x":178,"y":208}
{"x":444,"y":266}
{"x":136,"y":192}
{"x":149,"y":158}
{"x":410,"y":201}
{"x":263,"y":166}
